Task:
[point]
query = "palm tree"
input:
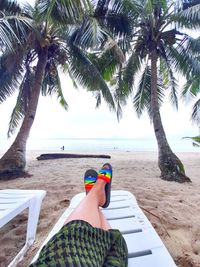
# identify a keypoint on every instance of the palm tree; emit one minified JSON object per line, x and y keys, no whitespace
{"x":158,"y":50}
{"x":61,"y":31}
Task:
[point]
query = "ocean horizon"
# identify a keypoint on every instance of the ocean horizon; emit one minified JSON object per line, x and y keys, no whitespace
{"x":102,"y":144}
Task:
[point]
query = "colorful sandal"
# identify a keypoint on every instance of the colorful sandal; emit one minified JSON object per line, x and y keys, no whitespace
{"x":106,"y":175}
{"x":90,"y":178}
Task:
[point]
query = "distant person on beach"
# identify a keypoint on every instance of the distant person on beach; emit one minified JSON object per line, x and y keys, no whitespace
{"x":87,"y":239}
{"x":63,"y":148}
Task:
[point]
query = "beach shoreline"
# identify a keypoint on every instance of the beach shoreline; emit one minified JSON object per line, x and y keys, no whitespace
{"x":172,"y":208}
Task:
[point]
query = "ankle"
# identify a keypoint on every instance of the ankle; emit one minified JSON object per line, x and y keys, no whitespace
{"x":99,"y":191}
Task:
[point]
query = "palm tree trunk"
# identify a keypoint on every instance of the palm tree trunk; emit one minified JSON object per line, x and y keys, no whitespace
{"x":170,"y":165}
{"x":13,"y":161}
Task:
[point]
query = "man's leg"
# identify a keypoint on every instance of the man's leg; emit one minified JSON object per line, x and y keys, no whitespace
{"x":104,"y":222}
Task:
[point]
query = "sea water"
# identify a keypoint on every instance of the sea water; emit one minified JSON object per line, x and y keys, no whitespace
{"x":102,"y":144}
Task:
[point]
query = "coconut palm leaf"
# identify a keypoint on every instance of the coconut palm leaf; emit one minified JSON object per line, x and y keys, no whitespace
{"x":196,"y":112}
{"x":195,"y":139}
{"x":141,"y":98}
{"x":107,"y":19}
{"x":191,"y":44}
{"x":191,"y":87}
{"x":90,"y":34}
{"x":191,"y":14}
{"x":81,"y":68}
{"x":189,"y":3}
{"x":117,"y":19}
{"x":14,"y":23}
{"x":62,"y":11}
{"x":133,"y":66}
{"x":11,"y":70}
{"x":52,"y":85}
{"x":16,"y":116}
{"x":115,"y":15}
{"x":107,"y":63}
{"x":66,"y":70}
{"x":22,"y":102}
{"x":12,"y":29}
{"x":183,"y":61}
{"x":119,"y":94}
{"x":169,"y":80}
{"x":143,"y":94}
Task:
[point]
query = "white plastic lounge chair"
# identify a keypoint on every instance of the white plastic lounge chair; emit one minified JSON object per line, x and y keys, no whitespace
{"x":145,"y":247}
{"x":13,"y":202}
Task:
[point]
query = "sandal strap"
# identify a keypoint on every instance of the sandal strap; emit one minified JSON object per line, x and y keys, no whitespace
{"x":89,"y":182}
{"x":90,"y":178}
{"x":105,"y":175}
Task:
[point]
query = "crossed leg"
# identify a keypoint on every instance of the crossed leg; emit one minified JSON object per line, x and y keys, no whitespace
{"x":88,"y":210}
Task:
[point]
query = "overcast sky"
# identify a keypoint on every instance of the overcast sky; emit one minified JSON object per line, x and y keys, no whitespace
{"x":84,"y":121}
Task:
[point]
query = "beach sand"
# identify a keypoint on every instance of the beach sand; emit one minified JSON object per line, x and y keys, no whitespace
{"x":172,"y":208}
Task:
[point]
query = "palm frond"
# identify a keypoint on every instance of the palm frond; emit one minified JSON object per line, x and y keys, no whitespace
{"x":120,"y":94}
{"x":12,"y":7}
{"x":16,"y":117}
{"x":15,"y":21}
{"x":11,"y":73}
{"x":21,"y":103}
{"x":106,"y":63}
{"x":118,"y":20}
{"x":169,"y":80}
{"x":101,"y":8}
{"x":60,"y":95}
{"x":119,"y":110}
{"x":52,"y":84}
{"x":195,"y":139}
{"x":90,"y":34}
{"x":191,"y":45}
{"x":191,"y":88}
{"x":87,"y":74}
{"x":186,"y":4}
{"x":148,"y":7}
{"x":183,"y":61}
{"x":132,"y":68}
{"x":142,"y":97}
{"x":66,"y":70}
{"x":196,"y":112}
{"x":13,"y":29}
{"x":188,"y":18}
{"x":115,"y":16}
{"x":62,"y":11}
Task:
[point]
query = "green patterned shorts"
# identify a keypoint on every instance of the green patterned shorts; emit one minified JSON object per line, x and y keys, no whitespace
{"x":78,"y":244}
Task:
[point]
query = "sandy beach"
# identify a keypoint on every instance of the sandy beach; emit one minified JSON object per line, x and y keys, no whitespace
{"x":172,"y":208}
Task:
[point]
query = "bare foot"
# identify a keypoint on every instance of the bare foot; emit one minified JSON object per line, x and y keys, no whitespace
{"x":100,"y":190}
